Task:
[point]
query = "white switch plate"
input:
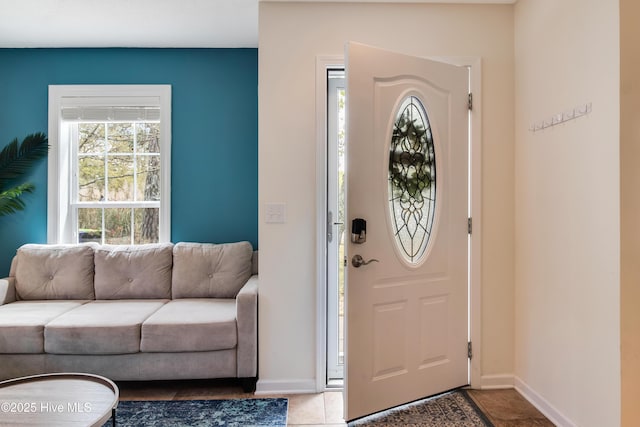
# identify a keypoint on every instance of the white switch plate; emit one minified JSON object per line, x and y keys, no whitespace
{"x":275,"y":213}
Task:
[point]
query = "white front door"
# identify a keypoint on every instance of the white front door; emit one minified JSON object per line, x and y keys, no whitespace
{"x":407,"y":177}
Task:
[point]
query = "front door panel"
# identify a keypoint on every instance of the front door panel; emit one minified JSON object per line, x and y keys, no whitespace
{"x":406,"y":313}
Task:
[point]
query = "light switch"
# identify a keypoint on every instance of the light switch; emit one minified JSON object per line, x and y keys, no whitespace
{"x":275,"y":213}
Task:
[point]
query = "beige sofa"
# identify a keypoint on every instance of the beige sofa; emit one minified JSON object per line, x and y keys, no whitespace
{"x":147,"y":312}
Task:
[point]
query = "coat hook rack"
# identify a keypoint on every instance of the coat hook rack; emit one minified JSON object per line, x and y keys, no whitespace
{"x":556,"y":119}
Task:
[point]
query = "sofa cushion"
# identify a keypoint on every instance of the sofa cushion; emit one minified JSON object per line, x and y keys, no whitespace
{"x":206,"y":270}
{"x":45,"y":272}
{"x":209,"y":325}
{"x":99,"y":327}
{"x":22,"y":323}
{"x":141,"y":271}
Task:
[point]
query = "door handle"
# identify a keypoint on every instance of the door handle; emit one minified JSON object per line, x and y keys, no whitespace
{"x":357,"y":261}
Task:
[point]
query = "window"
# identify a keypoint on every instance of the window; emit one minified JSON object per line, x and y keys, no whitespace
{"x":336,"y":120}
{"x":109,"y":164}
{"x":412,"y":179}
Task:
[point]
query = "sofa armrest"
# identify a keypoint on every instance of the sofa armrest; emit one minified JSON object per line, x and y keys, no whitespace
{"x":7,"y":290}
{"x":247,"y":318}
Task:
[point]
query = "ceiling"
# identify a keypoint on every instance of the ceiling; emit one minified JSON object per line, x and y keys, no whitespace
{"x":139,"y":23}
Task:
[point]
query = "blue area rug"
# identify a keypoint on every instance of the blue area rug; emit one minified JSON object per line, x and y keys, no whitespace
{"x":451,"y":409}
{"x":189,"y":413}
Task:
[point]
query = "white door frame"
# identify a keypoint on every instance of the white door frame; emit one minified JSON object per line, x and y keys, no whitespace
{"x":323,"y":63}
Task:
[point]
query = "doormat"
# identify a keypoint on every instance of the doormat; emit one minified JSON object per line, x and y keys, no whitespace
{"x":451,"y":409}
{"x":204,"y":413}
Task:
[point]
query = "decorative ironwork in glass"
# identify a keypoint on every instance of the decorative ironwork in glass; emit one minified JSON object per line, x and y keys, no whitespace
{"x":412,"y":179}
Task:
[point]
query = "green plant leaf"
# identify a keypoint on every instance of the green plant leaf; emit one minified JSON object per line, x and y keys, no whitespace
{"x":16,"y":160}
{"x":10,"y":200}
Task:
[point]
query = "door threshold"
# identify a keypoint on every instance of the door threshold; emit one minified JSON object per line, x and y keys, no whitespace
{"x":335,"y":384}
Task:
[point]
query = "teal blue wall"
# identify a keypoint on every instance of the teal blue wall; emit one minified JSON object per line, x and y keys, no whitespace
{"x":214,"y":159}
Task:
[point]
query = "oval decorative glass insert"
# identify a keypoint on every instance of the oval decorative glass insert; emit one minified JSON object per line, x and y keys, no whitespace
{"x":412,"y":179}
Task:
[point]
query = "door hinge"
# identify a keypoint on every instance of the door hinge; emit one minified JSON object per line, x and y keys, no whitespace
{"x":470,"y":104}
{"x":469,"y":350}
{"x":469,"y":225}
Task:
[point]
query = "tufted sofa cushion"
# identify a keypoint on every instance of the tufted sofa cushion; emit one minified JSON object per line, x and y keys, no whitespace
{"x":48,"y":272}
{"x":142,"y":271}
{"x":206,"y":270}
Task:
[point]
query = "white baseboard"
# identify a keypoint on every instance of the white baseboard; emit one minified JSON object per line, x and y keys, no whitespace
{"x":489,"y":382}
{"x":547,"y":409}
{"x":293,"y":386}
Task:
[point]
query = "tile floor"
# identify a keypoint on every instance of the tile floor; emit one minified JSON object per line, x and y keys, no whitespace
{"x":505,"y":408}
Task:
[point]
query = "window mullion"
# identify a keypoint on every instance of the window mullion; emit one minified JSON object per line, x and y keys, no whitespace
{"x":135,"y":163}
{"x":131,"y":232}
{"x":106,"y":163}
{"x":103,"y":238}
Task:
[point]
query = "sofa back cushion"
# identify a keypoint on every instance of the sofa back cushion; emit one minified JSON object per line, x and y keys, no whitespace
{"x":133,"y":271}
{"x":206,"y":270}
{"x":49,"y":272}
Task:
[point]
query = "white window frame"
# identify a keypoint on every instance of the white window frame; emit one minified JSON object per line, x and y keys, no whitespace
{"x":59,"y":209}
{"x":335,"y":367}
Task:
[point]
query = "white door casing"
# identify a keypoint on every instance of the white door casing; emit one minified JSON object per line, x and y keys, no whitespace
{"x":407,"y":325}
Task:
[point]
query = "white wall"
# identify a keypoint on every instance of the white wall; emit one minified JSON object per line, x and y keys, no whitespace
{"x":567,"y":210}
{"x":292,"y":35}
